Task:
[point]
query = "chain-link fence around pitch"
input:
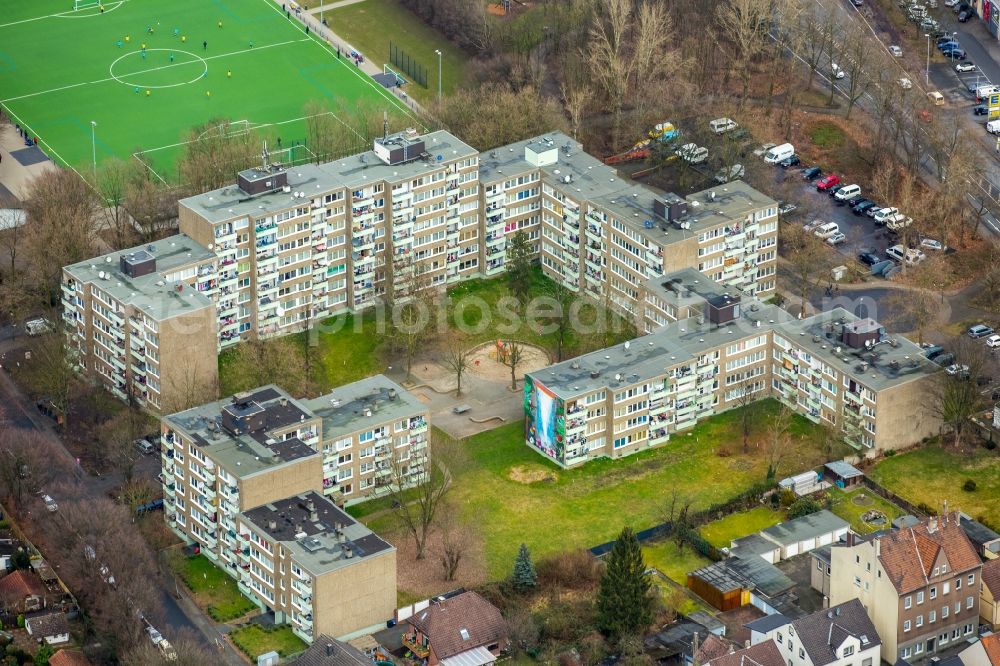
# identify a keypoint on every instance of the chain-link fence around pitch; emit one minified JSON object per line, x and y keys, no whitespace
{"x":408,"y":65}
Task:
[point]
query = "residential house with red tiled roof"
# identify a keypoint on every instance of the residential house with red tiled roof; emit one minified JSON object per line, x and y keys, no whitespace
{"x":984,"y":652}
{"x":920,"y":585}
{"x":21,"y":590}
{"x":465,"y":630}
{"x":69,"y":658}
{"x":761,"y":654}
{"x":989,"y":594}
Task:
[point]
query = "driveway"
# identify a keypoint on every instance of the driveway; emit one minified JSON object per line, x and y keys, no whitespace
{"x":799,"y":569}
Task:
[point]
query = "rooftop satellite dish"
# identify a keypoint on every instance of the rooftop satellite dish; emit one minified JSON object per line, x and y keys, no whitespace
{"x":618,"y":377}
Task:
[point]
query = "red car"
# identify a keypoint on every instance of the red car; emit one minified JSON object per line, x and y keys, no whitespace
{"x":826,"y":183}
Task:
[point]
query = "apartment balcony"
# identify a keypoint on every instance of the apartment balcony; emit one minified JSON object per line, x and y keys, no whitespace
{"x":170,"y":489}
{"x":225,"y":235}
{"x":419,"y":649}
{"x":69,"y":293}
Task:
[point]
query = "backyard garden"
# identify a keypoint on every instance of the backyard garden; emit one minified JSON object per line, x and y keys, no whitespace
{"x":211,"y":589}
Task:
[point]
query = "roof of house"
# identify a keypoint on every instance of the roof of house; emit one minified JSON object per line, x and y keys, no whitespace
{"x":48,"y":624}
{"x":765,"y":653}
{"x":910,"y":555}
{"x":458,"y":624}
{"x":979,"y":534}
{"x":20,"y":584}
{"x":844,"y":470}
{"x":68,"y":658}
{"x":823,"y":554}
{"x":807,"y":527}
{"x":713,"y":648}
{"x":991,"y":576}
{"x":327,"y":651}
{"x":708,"y":621}
{"x":753,"y":544}
{"x":767,"y":623}
{"x":823,"y":632}
{"x":991,"y":644}
{"x":678,"y":638}
{"x":751,"y":572}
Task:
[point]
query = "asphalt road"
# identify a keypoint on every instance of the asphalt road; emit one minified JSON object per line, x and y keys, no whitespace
{"x":18,"y":412}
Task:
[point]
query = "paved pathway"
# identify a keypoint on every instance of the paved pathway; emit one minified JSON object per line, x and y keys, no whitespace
{"x":334,"y":5}
{"x":13,"y":174}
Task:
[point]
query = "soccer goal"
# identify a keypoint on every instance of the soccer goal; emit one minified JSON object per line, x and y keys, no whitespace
{"x":85,"y":4}
{"x":389,"y":71}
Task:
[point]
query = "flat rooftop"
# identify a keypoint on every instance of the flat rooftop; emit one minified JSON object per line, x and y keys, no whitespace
{"x":893,"y":361}
{"x":677,"y":343}
{"x":321,"y":537}
{"x":344,"y":409}
{"x":246,"y":453}
{"x":806,"y":527}
{"x":687,"y":288}
{"x":589,"y":176}
{"x":151,"y":293}
{"x":355,"y":171}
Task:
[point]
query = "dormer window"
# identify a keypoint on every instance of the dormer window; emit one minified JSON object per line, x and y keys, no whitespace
{"x":848,"y":650}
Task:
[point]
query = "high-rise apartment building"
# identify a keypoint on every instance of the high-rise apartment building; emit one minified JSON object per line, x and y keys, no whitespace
{"x":833,"y":368}
{"x":284,"y":248}
{"x":255,"y":481}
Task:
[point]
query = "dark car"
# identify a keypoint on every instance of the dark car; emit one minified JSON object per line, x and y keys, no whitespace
{"x":933,"y":350}
{"x":812,"y":173}
{"x":945,"y":359}
{"x":860,"y":207}
{"x":964,"y":16}
{"x":972,"y":86}
{"x":943,"y":37}
{"x":980,"y":109}
{"x":835,"y":188}
{"x":964,"y":7}
{"x":950,"y":44}
{"x":869,"y":258}
{"x":954,"y":54}
{"x":996,"y":394}
{"x":790,"y":161}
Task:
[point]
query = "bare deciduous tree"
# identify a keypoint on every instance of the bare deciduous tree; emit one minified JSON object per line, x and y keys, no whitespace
{"x":417,"y":495}
{"x":777,"y":438}
{"x":744,"y":24}
{"x":955,"y":397}
{"x":512,"y":358}
{"x":456,"y":359}
{"x":28,"y":462}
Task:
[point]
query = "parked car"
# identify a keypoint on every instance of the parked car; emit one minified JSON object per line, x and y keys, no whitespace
{"x":154,"y":635}
{"x":725,"y":175}
{"x":945,"y":37}
{"x":784,"y":208}
{"x":847,"y":192}
{"x":827,"y":230}
{"x":812,"y":173}
{"x":984,"y":91}
{"x":980,"y":331}
{"x":933,"y":244}
{"x":951,"y":3}
{"x":980,"y":110}
{"x":948,"y":44}
{"x":880,"y":216}
{"x":722,"y":125}
{"x":692,"y":152}
{"x":50,"y":504}
{"x":896,"y":51}
{"x":825,"y":183}
{"x":759,"y":152}
{"x":145,"y":447}
{"x":814,"y":224}
{"x":37,"y":326}
{"x":837,"y":71}
{"x":790,"y":162}
{"x":869,"y":258}
{"x":837,"y":238}
{"x":954,"y":54}
{"x":930,"y":350}
{"x":859,"y":207}
{"x":965,"y":67}
{"x":944,"y":359}
{"x":857,"y":3}
{"x":836,"y":188}
{"x":964,"y":16}
{"x":905,"y":255}
{"x":779,"y":153}
{"x":956,"y":370}
{"x":993,"y":341}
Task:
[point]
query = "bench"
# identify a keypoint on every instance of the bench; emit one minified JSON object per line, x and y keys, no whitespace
{"x":461,"y":409}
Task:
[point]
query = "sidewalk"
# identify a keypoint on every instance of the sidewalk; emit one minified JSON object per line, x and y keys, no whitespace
{"x":14,"y":175}
{"x":306,"y":18}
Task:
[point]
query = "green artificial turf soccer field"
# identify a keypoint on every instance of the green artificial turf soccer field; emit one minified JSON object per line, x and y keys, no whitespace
{"x":61,"y":69}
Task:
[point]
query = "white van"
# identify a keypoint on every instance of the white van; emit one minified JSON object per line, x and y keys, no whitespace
{"x":884,"y":214}
{"x":985,"y":91}
{"x":993,"y":127}
{"x":778,"y":153}
{"x":847,"y":192}
{"x":905,"y":255}
{"x":722,"y":125}
{"x":827,"y":230}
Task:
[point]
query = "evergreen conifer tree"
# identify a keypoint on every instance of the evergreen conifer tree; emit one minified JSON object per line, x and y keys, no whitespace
{"x":524,"y":570}
{"x":624,"y":605}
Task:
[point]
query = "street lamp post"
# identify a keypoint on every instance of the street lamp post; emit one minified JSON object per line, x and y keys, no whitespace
{"x":927,"y":71}
{"x":93,"y":144}
{"x":438,"y":51}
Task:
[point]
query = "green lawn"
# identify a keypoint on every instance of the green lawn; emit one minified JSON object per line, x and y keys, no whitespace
{"x":589,"y":505}
{"x":369,"y":27}
{"x":933,"y":474}
{"x":853,"y":504}
{"x":213,"y":590}
{"x":350,"y":347}
{"x":665,"y":556}
{"x":255,"y":640}
{"x":721,"y":533}
{"x":258,"y":66}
